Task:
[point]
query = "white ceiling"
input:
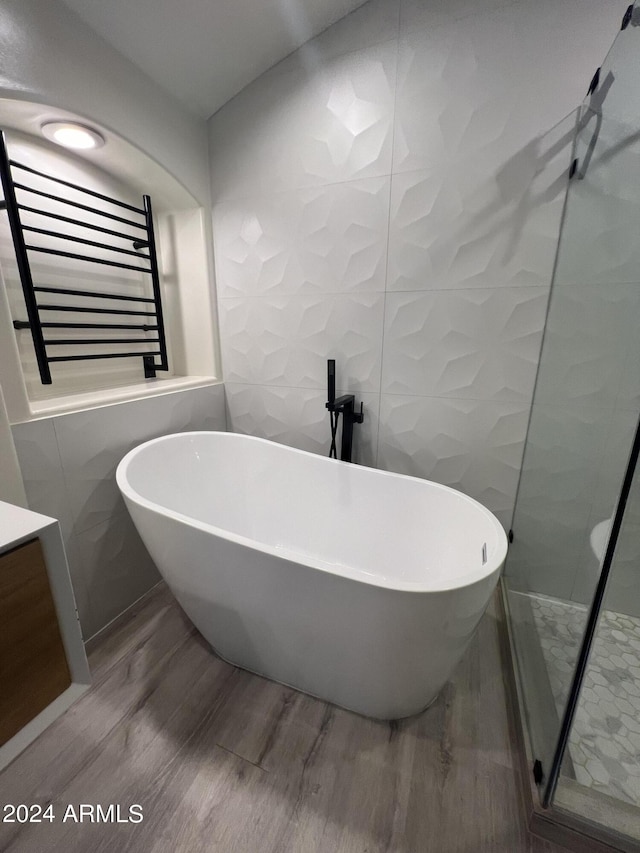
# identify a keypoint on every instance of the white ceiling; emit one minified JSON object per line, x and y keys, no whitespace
{"x":205,"y":51}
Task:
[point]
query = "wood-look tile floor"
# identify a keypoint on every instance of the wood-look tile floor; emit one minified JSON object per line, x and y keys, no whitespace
{"x":221,"y":760}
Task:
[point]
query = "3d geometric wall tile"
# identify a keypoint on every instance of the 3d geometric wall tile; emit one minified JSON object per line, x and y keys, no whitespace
{"x":448,"y":129}
{"x":287,"y":415}
{"x":286,"y":340}
{"x":116,"y":564}
{"x":479,"y":343}
{"x":589,"y":343}
{"x":298,"y":417}
{"x":69,"y":463}
{"x":454,"y":97}
{"x":307,"y":127}
{"x":92,"y":443}
{"x":598,"y":245}
{"x":482,"y":87}
{"x":472,"y":228}
{"x":473,"y":445}
{"x":329,"y":239}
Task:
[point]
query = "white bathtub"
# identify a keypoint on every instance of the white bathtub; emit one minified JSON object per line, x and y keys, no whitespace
{"x":358,"y":586}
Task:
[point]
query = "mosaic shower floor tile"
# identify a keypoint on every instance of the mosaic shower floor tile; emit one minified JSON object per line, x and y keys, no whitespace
{"x":604,"y":744}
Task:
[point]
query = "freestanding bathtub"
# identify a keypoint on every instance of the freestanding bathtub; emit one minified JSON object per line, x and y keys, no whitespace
{"x":358,"y":586}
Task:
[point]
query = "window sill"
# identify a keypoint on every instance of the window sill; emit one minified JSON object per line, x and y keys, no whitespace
{"x":126,"y":393}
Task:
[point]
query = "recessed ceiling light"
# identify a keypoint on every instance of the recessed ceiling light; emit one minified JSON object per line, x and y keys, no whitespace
{"x":72,"y":135}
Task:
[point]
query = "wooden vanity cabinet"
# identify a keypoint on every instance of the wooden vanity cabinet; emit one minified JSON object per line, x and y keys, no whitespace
{"x":33,"y":664}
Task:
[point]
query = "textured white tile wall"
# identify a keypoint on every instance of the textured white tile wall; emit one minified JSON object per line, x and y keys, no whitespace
{"x":285,"y":340}
{"x":68,"y":464}
{"x":330,"y":239}
{"x":297,"y":416}
{"x":481,"y":344}
{"x":324,"y":123}
{"x":390,"y":195}
{"x":472,"y":445}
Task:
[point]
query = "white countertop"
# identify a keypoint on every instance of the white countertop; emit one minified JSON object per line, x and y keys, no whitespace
{"x":18,"y":524}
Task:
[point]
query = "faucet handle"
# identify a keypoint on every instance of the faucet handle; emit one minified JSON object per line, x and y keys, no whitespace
{"x":359,"y":418}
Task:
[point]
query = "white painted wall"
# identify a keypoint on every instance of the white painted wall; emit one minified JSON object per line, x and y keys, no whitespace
{"x":228,"y":42}
{"x":390,"y":196}
{"x":49,"y":55}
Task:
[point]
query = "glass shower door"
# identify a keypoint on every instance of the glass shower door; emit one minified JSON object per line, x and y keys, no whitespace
{"x":586,"y":404}
{"x":600,"y":778}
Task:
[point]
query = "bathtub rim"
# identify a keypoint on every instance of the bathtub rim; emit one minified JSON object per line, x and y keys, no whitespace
{"x":494,"y":562}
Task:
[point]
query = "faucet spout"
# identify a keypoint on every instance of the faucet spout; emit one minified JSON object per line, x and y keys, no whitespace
{"x":341,"y":403}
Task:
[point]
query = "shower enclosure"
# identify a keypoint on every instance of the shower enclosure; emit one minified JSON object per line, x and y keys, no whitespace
{"x":572,"y":579}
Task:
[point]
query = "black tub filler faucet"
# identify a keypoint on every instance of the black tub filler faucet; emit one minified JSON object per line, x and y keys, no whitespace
{"x":344,"y":406}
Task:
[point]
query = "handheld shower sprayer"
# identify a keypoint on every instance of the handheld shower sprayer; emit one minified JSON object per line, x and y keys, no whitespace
{"x":331,"y":396}
{"x":331,"y":381}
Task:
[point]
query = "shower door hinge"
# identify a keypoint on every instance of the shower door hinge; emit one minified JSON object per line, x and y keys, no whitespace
{"x":573,"y":168}
{"x":538,"y":775}
{"x":626,"y":18}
